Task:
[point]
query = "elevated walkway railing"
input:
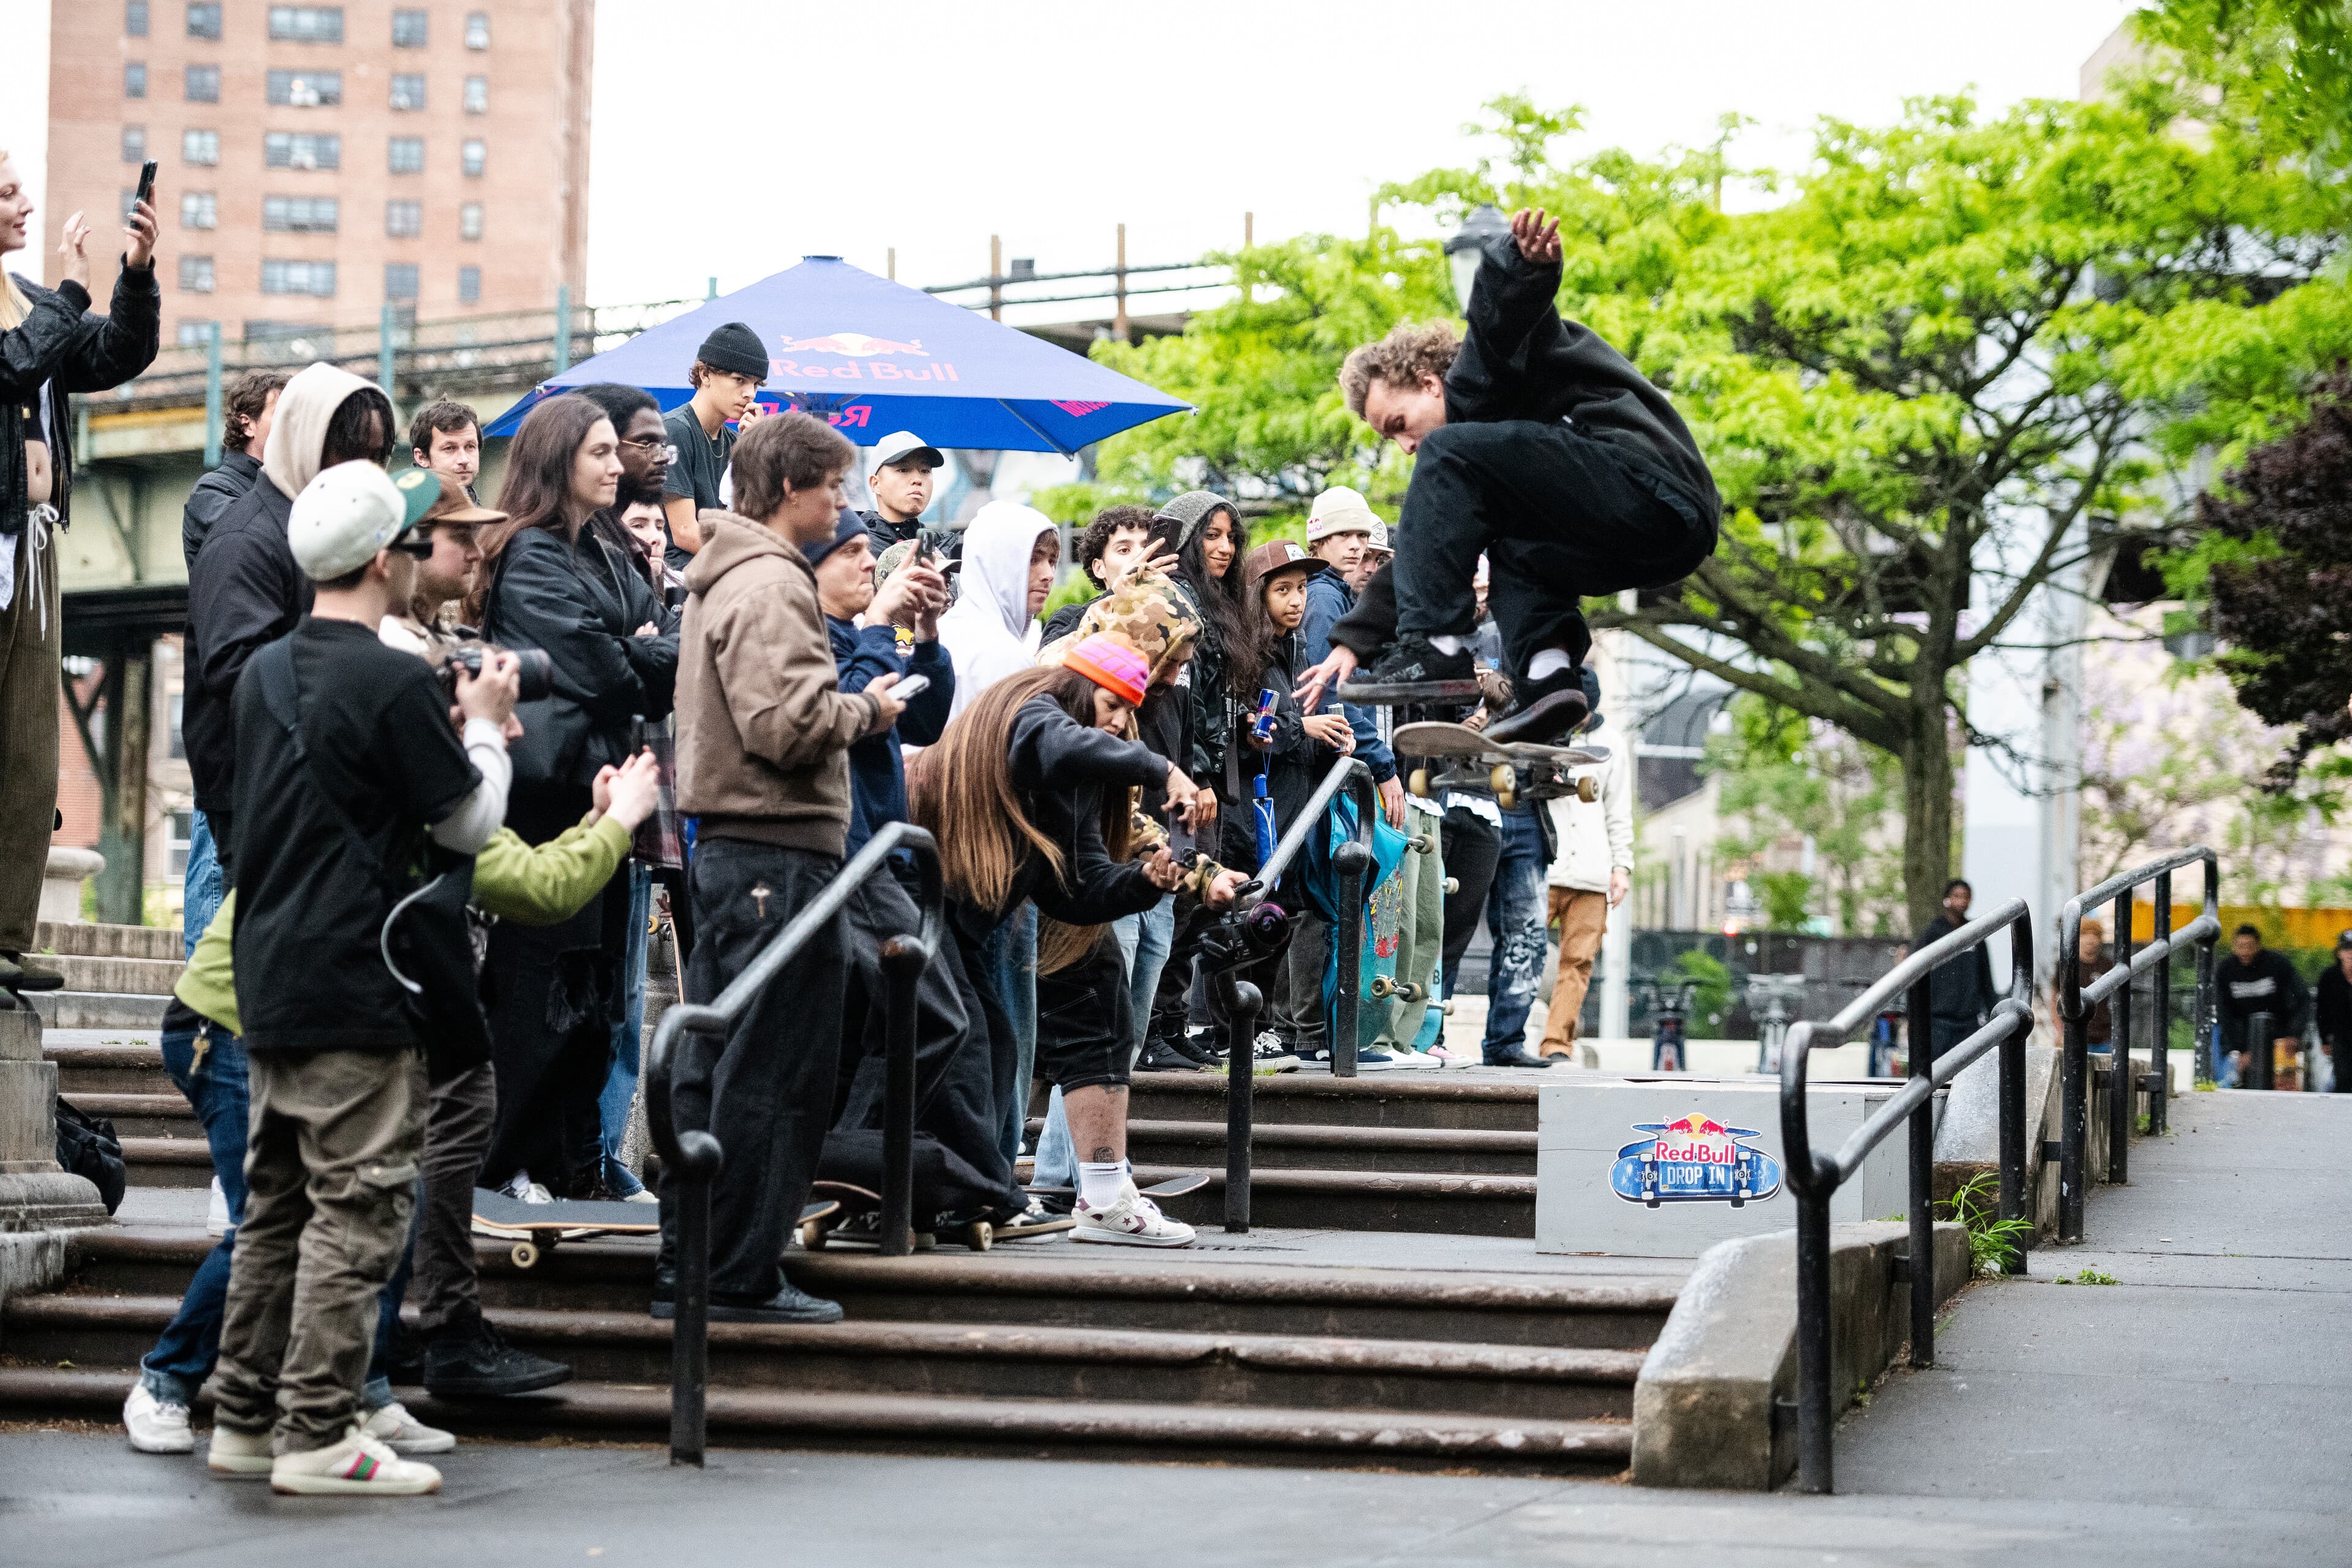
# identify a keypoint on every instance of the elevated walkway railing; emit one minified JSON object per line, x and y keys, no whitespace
{"x":1254,"y":929}
{"x":694,"y":1157}
{"x":1815,"y":1178}
{"x":2076,"y":1001}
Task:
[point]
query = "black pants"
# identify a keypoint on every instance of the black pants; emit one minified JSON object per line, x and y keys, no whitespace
{"x":1559,"y":515}
{"x":1944,"y":1033}
{"x":770,"y":1094}
{"x":1085,"y":1021}
{"x":1472,"y":847}
{"x":955,"y":1099}
{"x":1170,"y":1002}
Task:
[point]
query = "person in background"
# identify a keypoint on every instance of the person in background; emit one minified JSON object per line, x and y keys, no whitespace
{"x":1339,"y":528}
{"x":247,"y":413}
{"x":899,"y":474}
{"x":2333,"y":1001}
{"x":728,"y":370}
{"x":1115,"y":546}
{"x":2251,"y":979}
{"x":2091,"y":961}
{"x":1377,"y":555}
{"x":51,"y":345}
{"x":1590,"y":876}
{"x":1960,"y":993}
{"x":447,"y":438}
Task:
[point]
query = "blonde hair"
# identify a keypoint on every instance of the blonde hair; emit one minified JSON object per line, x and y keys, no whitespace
{"x":1401,"y":359}
{"x":14,"y":306}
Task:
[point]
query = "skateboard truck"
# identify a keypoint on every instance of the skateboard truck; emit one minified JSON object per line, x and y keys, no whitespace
{"x":1405,"y":991}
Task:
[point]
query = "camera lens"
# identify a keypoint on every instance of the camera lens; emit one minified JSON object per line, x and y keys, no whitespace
{"x":535,"y":673}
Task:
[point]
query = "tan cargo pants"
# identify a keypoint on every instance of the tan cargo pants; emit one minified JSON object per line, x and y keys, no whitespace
{"x":1582,"y":917}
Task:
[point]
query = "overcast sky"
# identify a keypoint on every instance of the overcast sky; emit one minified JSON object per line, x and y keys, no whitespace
{"x":732,"y":137}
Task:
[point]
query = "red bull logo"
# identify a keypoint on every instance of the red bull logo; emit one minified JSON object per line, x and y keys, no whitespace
{"x":865,"y":359}
{"x":1693,"y":1159}
{"x":855,"y":344}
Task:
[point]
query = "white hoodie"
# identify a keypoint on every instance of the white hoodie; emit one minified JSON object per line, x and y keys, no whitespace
{"x":987,"y":630}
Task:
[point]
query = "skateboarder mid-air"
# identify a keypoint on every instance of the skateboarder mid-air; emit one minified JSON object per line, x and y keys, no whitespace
{"x":1539,"y":445}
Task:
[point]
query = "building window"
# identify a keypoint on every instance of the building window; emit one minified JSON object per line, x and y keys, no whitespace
{"x":409,"y":29}
{"x":183,"y":822}
{"x":134,"y":143}
{"x":408,"y":92}
{"x":478,"y":30}
{"x":134,"y":17}
{"x":302,"y":150}
{"x":196,"y":274}
{"x":300,"y":215}
{"x":201,"y":84}
{"x":404,"y":220}
{"x":407,"y":156}
{"x":199,"y":147}
{"x":469,"y":285}
{"x":134,"y":79}
{"x":306,"y":90}
{"x":204,"y":20}
{"x":315,"y":278}
{"x":306,"y":24}
{"x":475,"y":153}
{"x":192,"y":335}
{"x":469,"y":221}
{"x":477,"y":95}
{"x":199,"y":209}
{"x":400,"y":280}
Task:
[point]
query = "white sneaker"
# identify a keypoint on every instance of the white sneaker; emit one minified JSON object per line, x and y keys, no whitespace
{"x":358,"y":1464}
{"x":643,"y":1195}
{"x":1270,"y":1055}
{"x":1412,"y":1060}
{"x":156,"y":1426}
{"x":522,"y":1187}
{"x":1133,"y":1221}
{"x":403,"y":1433}
{"x":1446,"y":1055}
{"x":216,"y":1212}
{"x":238,"y":1453}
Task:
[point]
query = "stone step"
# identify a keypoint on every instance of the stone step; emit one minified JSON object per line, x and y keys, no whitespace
{"x":1427,"y":1205}
{"x":1276,"y":1145}
{"x":98,"y":1009}
{"x":143,"y":1115}
{"x":1463,"y":1100}
{"x":109,"y":1070}
{"x":109,"y":941}
{"x":934,"y":1424}
{"x":967,"y":1361}
{"x":180,"y":1162}
{"x":119,"y":976}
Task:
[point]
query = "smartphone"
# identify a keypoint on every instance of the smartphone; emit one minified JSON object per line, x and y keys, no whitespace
{"x":146,"y":182}
{"x":914,"y":686}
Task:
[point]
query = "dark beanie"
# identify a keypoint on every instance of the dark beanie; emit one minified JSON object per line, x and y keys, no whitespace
{"x":850,"y":526}
{"x":735,"y":347}
{"x":1189,"y":511}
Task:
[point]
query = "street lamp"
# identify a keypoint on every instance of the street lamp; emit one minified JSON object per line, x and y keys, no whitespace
{"x":1462,"y":249}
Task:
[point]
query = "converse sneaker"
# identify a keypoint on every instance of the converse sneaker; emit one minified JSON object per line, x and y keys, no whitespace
{"x":1133,"y":1221}
{"x":1271,"y":1055}
{"x":156,"y":1426}
{"x":358,"y":1465}
{"x":1036,"y":1223}
{"x":1164,"y":1056}
{"x":236,"y":1453}
{"x":395,"y":1428}
{"x":1369,"y":1059}
{"x":1412,"y":1060}
{"x":1414,"y":661}
{"x":1446,"y":1055}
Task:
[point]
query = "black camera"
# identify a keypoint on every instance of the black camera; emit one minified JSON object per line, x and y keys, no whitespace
{"x":533,"y":670}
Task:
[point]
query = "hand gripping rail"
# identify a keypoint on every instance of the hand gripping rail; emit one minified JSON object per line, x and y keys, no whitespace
{"x":2076,"y":1001}
{"x":1244,"y":935}
{"x":695,"y":1156}
{"x":1815,"y":1178}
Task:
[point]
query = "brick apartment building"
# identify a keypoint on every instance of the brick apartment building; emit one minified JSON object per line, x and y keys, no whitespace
{"x":319,"y":161}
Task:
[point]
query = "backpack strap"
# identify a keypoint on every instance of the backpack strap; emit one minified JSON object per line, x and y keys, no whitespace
{"x":282,"y":694}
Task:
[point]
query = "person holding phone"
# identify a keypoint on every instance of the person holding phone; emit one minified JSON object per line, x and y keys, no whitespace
{"x":52,"y":345}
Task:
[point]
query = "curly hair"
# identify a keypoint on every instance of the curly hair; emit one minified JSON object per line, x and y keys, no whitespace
{"x":1401,"y":359}
{"x":1106,"y":523}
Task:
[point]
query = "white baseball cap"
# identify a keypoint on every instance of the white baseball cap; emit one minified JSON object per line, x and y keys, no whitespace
{"x":900,"y":445}
{"x":1339,"y":510}
{"x":1379,"y":539}
{"x":353,"y":511}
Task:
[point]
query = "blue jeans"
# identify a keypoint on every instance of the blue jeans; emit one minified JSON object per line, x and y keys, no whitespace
{"x":214,"y":1083}
{"x":1009,"y":968}
{"x":628,"y":1035}
{"x":1144,"y":941}
{"x":1515,"y":919}
{"x":203,"y":892}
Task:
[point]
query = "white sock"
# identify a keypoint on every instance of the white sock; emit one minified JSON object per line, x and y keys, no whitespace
{"x":1548,"y":662}
{"x":1098,"y":1185}
{"x":1446,"y":643}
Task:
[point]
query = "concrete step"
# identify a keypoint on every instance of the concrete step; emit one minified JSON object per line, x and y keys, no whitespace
{"x":1313,"y":1199}
{"x":178,"y":1161}
{"x":110,"y":973}
{"x":1454,"y":1099}
{"x":109,"y":941}
{"x":112,"y":1069}
{"x":98,"y":1009}
{"x":1276,"y":1145}
{"x":933,"y":1424}
{"x":143,"y":1115}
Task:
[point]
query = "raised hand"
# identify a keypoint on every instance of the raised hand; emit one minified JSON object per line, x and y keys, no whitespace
{"x":73,"y":247}
{"x":1539,"y":240}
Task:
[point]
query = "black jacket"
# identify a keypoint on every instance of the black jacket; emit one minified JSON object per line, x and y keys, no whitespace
{"x":61,"y":345}
{"x":214,"y":493}
{"x":1962,"y":987}
{"x":2334,"y":1006}
{"x":2269,"y":985}
{"x":582,"y":604}
{"x":878,"y":773}
{"x":244,"y":593}
{"x":1297,"y":763}
{"x":1059,"y":769}
{"x":1164,"y":722}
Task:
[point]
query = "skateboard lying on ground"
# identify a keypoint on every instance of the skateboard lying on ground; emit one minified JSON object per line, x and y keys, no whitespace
{"x":535,"y":1228}
{"x":855,"y":1203}
{"x":1519,"y":769}
{"x":1062,"y":1200}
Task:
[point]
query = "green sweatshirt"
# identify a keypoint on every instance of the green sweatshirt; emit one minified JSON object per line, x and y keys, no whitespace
{"x":536,"y":885}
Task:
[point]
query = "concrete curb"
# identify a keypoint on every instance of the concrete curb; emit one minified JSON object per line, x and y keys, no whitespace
{"x":1704,"y":1406}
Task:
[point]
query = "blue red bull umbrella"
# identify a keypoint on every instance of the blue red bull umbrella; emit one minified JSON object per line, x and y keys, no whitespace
{"x":872,"y":356}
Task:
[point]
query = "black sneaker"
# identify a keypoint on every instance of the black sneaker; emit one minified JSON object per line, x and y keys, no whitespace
{"x":790,"y":1304}
{"x":1517,"y":1058}
{"x":1547,"y":712}
{"x":1165,"y":1055}
{"x":1414,"y":661}
{"x":15,"y":975}
{"x":404,"y":1361}
{"x":468,"y":1360}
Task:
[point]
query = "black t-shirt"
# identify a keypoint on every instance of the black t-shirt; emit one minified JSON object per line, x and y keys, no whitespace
{"x":310,"y":902}
{"x":701,"y":464}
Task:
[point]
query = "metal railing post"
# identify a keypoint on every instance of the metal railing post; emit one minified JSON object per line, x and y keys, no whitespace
{"x":563,"y":328}
{"x":1353,"y":861}
{"x":2119,"y":1039}
{"x":1814,"y":1418}
{"x":387,"y":363}
{"x":1921,"y":1210}
{"x":1241,"y":1001}
{"x":2159,"y":1039}
{"x":903,"y":960}
{"x":2073,"y":1129}
{"x":2012,"y":1097}
{"x":2259,"y":1029}
{"x":690,"y":1325}
{"x":214,"y":429}
{"x":2208,"y":1068}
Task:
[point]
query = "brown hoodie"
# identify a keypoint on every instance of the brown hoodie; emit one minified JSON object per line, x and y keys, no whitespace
{"x":763,"y":729}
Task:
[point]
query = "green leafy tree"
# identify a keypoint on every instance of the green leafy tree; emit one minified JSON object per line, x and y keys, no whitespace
{"x":1784,"y":780}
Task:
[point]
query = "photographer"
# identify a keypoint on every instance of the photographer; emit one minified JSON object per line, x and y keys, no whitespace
{"x":346,"y":766}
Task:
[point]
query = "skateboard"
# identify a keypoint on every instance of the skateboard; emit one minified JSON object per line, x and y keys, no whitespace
{"x":1519,"y":769}
{"x":535,"y":1228}
{"x":1062,"y":1200}
{"x":1399,"y":693}
{"x":851,"y":1202}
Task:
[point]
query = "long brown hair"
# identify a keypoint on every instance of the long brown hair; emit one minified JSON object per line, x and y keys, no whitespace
{"x":537,"y":492}
{"x":961,"y":792}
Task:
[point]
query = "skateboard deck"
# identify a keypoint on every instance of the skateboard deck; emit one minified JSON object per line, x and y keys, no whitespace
{"x":1439,"y":740}
{"x":1517,"y":770}
{"x":1390,"y":693}
{"x":849,"y":1201}
{"x":535,"y":1228}
{"x":1061,"y":1199}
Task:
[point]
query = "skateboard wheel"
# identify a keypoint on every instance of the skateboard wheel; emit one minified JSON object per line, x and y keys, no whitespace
{"x":1452,"y":885}
{"x":1587,"y":789}
{"x":925,"y":1241}
{"x":1446,"y":1006}
{"x":812,"y":1237}
{"x":1383,"y":986}
{"x":525,"y":1254}
{"x":1419,"y":782}
{"x":1506,"y":795}
{"x":1420,"y":843}
{"x":980,"y":1237}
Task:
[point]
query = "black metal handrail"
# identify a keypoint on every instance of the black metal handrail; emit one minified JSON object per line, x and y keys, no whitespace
{"x":2076,"y":1000}
{"x":695,"y":1156}
{"x":1815,"y":1178}
{"x":1247,"y":933}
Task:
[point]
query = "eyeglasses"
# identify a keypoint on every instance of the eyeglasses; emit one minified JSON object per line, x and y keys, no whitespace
{"x":652,"y":444}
